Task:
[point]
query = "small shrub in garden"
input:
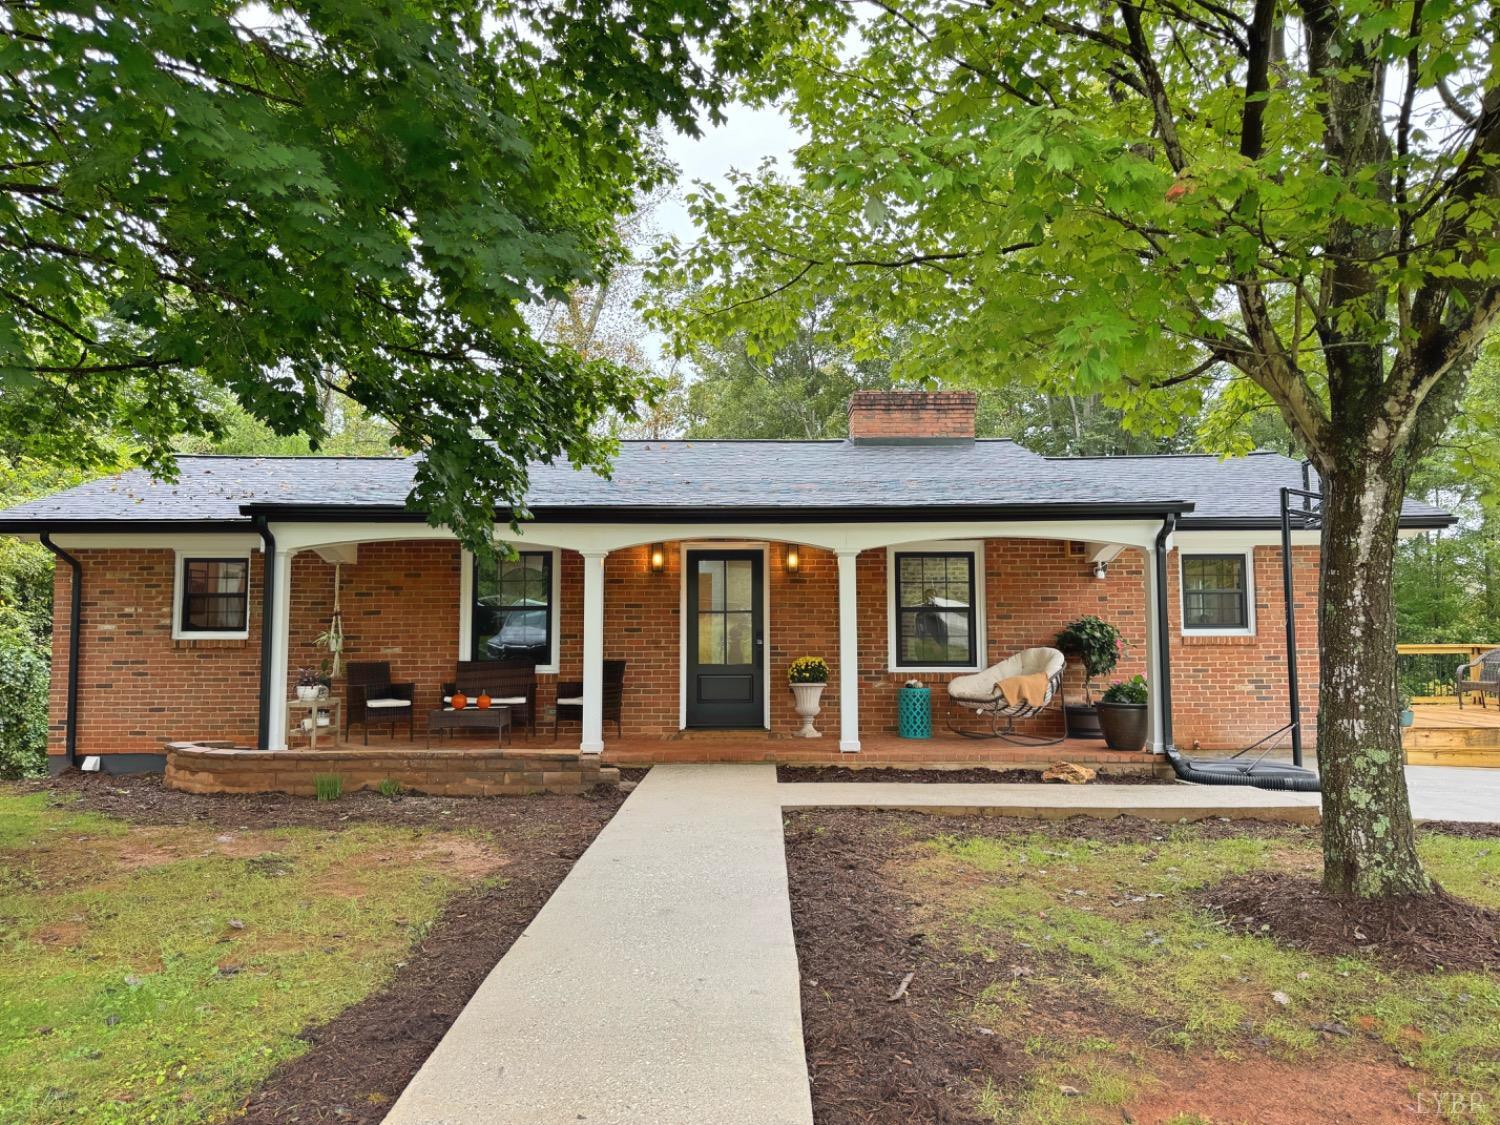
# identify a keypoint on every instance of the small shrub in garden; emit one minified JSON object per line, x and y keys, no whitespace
{"x":25,"y":674}
{"x":389,"y":787}
{"x":328,"y":786}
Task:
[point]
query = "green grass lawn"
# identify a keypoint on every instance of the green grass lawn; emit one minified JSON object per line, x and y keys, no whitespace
{"x":1115,"y":975}
{"x":160,"y":973}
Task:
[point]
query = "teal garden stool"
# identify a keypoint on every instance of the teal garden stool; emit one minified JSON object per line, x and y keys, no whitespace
{"x":914,"y":712}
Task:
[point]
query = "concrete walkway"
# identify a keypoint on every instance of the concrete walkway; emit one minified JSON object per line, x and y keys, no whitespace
{"x":1169,"y":802}
{"x":658,"y":984}
{"x":1454,"y":793}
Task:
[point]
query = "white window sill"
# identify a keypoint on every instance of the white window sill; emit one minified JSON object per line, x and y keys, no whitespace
{"x":1218,"y":632}
{"x":194,"y":636}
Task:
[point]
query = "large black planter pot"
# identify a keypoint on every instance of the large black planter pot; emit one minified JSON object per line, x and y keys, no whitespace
{"x":1082,"y":721}
{"x":1124,"y":725}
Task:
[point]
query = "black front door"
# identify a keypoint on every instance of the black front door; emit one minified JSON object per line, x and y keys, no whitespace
{"x":726,"y":639}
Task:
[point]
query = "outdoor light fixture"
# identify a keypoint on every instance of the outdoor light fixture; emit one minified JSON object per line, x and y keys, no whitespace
{"x":793,"y":558}
{"x":1101,"y":570}
{"x":658,"y":558}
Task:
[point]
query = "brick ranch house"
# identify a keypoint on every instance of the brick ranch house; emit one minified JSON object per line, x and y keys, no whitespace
{"x":707,"y":565}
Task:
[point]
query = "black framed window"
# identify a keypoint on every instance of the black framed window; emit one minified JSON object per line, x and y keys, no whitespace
{"x":215,"y":596}
{"x":513,"y":611}
{"x":935,"y":609}
{"x":1215,"y":592}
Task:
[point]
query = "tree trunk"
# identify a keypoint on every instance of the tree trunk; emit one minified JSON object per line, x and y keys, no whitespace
{"x":1368,"y":845}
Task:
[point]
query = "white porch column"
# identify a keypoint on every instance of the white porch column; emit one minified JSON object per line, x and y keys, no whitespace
{"x":848,"y":654}
{"x":593,"y":652}
{"x":1154,"y":642}
{"x":281,"y":632}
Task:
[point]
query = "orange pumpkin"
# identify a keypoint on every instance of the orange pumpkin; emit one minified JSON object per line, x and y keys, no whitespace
{"x":483,"y":702}
{"x":460,"y":701}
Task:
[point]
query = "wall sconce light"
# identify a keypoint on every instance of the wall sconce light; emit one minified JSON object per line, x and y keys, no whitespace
{"x":658,"y":555}
{"x":1101,"y":570}
{"x":793,"y":558}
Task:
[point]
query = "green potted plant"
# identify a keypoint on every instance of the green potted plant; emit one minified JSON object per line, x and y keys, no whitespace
{"x":1122,"y":714}
{"x":808,"y":676}
{"x":1408,"y":716}
{"x":307,"y":684}
{"x":1098,"y":646}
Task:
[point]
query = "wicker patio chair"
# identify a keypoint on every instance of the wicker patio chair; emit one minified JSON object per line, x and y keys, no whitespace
{"x":509,"y":683}
{"x":570,"y":696}
{"x":372,"y":698}
{"x":980,"y":692}
{"x":1481,"y":676}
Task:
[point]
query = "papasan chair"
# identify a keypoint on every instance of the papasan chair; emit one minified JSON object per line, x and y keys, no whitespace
{"x":980,"y":692}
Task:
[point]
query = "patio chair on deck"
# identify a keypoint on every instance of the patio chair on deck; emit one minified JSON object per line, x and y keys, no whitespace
{"x":374,"y":699}
{"x":980,"y":692}
{"x":570,"y":696}
{"x":1481,"y":676}
{"x":509,"y":683}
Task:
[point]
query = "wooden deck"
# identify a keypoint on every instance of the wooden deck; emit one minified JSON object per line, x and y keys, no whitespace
{"x":1445,"y":735}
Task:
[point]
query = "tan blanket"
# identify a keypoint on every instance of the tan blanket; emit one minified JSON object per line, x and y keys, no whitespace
{"x":1030,"y":690}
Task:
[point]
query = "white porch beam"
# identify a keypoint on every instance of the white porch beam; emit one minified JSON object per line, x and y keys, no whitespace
{"x":848,"y":653}
{"x":1154,"y":651}
{"x":281,"y":636}
{"x":1103,"y":552}
{"x":593,"y":652}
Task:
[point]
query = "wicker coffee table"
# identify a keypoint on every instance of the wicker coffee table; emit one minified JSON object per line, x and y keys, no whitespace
{"x":496,"y":719}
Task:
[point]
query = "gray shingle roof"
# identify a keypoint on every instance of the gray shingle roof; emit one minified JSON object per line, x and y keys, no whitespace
{"x":665,"y":477}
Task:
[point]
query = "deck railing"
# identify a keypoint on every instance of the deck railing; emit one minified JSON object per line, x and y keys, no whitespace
{"x":1426,"y":672}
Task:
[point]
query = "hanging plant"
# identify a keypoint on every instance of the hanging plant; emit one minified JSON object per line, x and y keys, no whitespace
{"x":331,"y":640}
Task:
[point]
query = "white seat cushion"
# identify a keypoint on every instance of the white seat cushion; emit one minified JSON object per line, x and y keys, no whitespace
{"x":388,"y":703}
{"x":508,"y":700}
{"x":571,"y":701}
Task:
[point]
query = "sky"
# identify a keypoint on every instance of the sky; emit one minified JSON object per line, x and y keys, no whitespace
{"x":748,"y":136}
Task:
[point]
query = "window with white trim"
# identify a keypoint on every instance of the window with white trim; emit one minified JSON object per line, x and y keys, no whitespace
{"x":1216,"y":595}
{"x":514,"y":616}
{"x":213,"y":597}
{"x":934,"y":620}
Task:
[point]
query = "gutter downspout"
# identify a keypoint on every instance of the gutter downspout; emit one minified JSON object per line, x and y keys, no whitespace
{"x":267,"y":620}
{"x":75,"y":615}
{"x":1164,"y":673}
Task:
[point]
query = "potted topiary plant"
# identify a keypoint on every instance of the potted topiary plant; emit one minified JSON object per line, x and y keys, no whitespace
{"x":808,"y":676}
{"x":1097,"y":645}
{"x":1122,"y":714}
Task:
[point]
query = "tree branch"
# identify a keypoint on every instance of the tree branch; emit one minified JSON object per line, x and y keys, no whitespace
{"x":1258,"y":80}
{"x":1156,"y":90}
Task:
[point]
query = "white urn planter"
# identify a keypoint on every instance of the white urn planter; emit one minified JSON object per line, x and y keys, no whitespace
{"x":809,"y":702}
{"x":307,"y":692}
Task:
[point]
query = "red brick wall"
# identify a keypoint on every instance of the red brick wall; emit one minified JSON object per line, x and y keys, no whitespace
{"x":922,"y":415}
{"x":400,"y":604}
{"x":1032,"y":588}
{"x":140,"y":688}
{"x":137,"y":686}
{"x":1230,"y":691}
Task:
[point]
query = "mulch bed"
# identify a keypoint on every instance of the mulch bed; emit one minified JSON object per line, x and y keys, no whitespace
{"x":359,"y":1062}
{"x":1424,"y":932}
{"x":1467,"y":829}
{"x":975,"y":774}
{"x":872,"y":1060}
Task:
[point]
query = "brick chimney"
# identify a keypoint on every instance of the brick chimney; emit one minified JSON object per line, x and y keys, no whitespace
{"x":942,"y":417}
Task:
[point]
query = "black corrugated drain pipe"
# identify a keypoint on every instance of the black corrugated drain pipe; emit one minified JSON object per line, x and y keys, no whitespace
{"x":75,"y":633}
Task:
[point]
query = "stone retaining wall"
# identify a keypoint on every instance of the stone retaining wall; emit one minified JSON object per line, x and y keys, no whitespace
{"x":206,"y":768}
